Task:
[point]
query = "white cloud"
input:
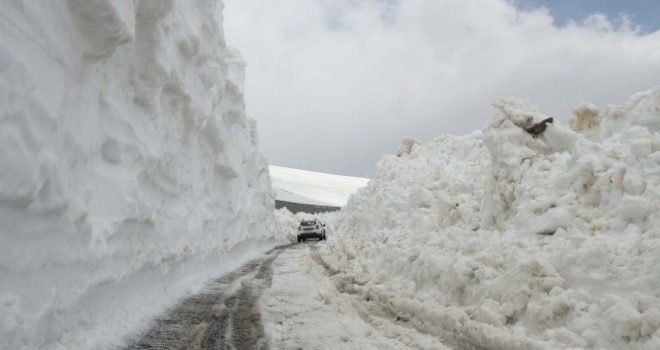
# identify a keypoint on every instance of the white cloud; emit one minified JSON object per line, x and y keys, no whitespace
{"x":335,"y":84}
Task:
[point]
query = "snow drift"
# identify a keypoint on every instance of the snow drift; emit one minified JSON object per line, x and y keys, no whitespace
{"x":130,"y":174}
{"x":514,"y":241}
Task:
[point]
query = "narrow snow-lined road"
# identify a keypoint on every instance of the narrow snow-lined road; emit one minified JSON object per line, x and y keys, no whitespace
{"x":224,"y":316}
{"x":287,"y":299}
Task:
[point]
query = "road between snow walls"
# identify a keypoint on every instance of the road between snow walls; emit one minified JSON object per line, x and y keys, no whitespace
{"x":287,"y":299}
{"x":513,"y":240}
{"x":130,"y":174}
{"x":130,"y":177}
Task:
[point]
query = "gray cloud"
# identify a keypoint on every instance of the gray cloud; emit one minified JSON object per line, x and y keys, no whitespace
{"x":336,"y":84}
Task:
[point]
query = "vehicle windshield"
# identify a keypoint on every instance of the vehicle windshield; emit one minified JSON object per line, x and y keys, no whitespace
{"x":308,"y":223}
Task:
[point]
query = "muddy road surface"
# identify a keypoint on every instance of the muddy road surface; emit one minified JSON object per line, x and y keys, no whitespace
{"x":289,"y":299}
{"x":224,"y":316}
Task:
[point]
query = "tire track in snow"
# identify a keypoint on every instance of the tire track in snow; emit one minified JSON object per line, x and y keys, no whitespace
{"x":374,"y":313}
{"x":224,"y":316}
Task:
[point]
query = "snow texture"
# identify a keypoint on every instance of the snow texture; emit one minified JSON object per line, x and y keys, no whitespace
{"x":130,"y":174}
{"x":515,"y":241}
{"x":317,"y":314}
{"x":308,"y":187}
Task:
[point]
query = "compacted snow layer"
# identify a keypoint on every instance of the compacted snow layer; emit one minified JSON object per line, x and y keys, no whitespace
{"x":130,"y":174}
{"x":516,"y":241}
{"x":304,"y":309}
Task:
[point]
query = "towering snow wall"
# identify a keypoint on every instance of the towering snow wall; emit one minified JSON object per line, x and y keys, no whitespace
{"x":129,"y":174}
{"x":515,"y":241}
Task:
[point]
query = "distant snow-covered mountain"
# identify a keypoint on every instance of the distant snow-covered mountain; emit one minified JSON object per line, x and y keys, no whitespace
{"x":308,"y":187}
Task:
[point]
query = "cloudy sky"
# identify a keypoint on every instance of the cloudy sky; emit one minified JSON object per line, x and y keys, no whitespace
{"x":335,"y":84}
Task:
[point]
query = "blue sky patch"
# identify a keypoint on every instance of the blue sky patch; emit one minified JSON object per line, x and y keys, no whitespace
{"x":644,"y":13}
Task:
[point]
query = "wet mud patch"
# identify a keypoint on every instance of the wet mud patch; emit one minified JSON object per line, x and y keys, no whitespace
{"x":224,"y":316}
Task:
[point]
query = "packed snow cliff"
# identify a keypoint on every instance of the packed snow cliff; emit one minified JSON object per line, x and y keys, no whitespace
{"x":130,"y":174}
{"x":517,"y":240}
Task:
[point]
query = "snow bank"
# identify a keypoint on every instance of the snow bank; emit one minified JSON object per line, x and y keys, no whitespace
{"x":130,"y":174}
{"x":516,"y":241}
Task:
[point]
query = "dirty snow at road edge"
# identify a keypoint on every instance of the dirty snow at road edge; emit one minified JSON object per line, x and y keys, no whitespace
{"x":304,"y":309}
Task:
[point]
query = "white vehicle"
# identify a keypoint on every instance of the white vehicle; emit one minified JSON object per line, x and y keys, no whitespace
{"x":311,"y":229}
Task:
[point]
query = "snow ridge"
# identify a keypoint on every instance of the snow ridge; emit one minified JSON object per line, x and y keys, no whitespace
{"x":515,"y":241}
{"x":130,"y":174}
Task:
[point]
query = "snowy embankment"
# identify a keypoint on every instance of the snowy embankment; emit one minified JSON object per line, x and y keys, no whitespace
{"x":130,"y":174}
{"x":516,"y":242}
